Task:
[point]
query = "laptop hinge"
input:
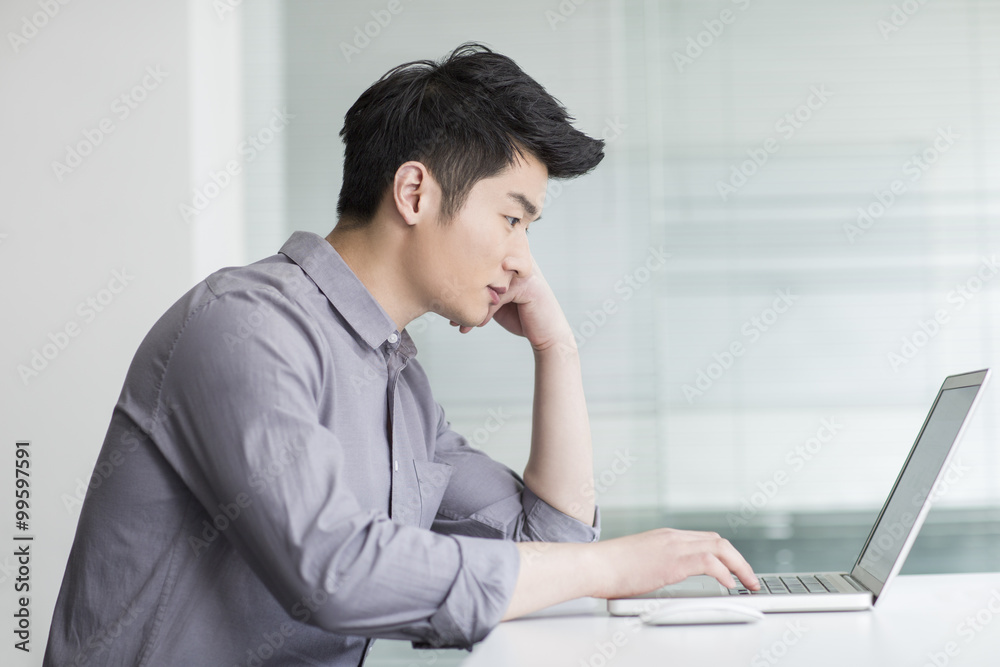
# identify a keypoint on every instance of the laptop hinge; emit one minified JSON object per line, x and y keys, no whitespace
{"x":854,"y":582}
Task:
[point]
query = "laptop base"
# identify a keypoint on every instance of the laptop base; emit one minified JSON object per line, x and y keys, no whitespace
{"x":846,"y":597}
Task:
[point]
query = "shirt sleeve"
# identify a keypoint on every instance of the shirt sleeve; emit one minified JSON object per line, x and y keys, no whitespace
{"x":234,"y":412}
{"x":487,"y":499}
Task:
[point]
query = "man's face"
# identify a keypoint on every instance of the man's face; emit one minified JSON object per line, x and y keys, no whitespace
{"x":484,"y":246}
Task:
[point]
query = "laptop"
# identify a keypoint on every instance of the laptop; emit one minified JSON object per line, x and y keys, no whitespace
{"x":887,"y":545}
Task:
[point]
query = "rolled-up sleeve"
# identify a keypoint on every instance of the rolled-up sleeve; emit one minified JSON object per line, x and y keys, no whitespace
{"x":242,"y":430}
{"x":487,"y":499}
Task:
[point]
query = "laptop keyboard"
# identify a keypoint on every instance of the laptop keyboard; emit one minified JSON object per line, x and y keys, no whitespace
{"x":788,"y":584}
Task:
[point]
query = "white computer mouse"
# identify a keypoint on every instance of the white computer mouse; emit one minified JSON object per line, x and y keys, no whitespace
{"x":686,"y":614}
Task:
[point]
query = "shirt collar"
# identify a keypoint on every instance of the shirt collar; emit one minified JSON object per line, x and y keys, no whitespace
{"x":346,"y":293}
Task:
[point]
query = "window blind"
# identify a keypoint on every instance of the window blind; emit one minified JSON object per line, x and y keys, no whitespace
{"x":792,"y":240}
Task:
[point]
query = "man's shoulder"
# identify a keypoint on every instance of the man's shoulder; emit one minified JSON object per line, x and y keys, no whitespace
{"x":275,"y":274}
{"x":258,"y":296}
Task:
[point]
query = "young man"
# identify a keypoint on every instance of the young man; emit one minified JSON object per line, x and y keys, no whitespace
{"x":286,"y":488}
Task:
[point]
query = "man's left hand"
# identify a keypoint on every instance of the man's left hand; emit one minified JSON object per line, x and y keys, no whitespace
{"x":529,"y":308}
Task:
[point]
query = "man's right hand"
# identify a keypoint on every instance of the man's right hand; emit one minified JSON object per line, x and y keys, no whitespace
{"x":555,"y":572}
{"x":644,"y":562}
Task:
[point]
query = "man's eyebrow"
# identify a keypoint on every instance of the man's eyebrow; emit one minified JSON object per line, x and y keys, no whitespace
{"x":525,"y":203}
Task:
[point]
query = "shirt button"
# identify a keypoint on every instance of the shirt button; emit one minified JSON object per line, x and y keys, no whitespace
{"x":393,"y":338}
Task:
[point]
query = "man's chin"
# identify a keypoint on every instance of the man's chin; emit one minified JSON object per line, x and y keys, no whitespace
{"x":476,"y":321}
{"x":464,"y":320}
{"x":468,"y":318}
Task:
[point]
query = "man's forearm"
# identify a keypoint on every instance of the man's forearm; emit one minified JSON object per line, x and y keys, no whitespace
{"x":560,"y":468}
{"x":550,"y":573}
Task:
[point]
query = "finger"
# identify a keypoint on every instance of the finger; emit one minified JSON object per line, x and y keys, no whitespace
{"x":716,"y":568}
{"x":734,"y":561}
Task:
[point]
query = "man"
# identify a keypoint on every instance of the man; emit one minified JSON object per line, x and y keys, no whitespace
{"x":286,"y":487}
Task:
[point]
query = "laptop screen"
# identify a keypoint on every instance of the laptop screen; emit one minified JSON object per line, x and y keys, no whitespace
{"x":915,"y":482}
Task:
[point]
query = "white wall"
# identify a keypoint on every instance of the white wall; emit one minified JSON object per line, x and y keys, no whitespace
{"x":64,"y":240}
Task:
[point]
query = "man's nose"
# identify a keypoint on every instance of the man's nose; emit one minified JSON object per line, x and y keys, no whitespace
{"x":519,"y":257}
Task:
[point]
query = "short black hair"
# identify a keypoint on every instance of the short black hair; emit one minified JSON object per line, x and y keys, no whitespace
{"x":466,"y":118}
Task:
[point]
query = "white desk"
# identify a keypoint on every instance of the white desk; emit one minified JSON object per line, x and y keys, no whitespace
{"x":935,"y":620}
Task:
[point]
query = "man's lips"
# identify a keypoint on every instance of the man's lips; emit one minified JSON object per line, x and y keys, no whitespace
{"x":495,"y":293}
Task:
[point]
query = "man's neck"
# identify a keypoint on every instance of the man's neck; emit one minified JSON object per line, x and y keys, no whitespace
{"x":375,"y":257}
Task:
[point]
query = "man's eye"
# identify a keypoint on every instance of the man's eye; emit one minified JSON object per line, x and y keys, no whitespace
{"x":512,"y":220}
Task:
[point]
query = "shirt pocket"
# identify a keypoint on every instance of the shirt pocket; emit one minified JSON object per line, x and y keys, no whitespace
{"x":432,"y":482}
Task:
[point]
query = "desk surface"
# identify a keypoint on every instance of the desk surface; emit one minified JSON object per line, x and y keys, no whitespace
{"x":935,"y":620}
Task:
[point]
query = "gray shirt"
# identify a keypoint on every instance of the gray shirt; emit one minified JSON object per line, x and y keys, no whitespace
{"x":278,"y":486}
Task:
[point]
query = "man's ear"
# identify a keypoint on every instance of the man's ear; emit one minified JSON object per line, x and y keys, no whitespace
{"x":415,"y":193}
